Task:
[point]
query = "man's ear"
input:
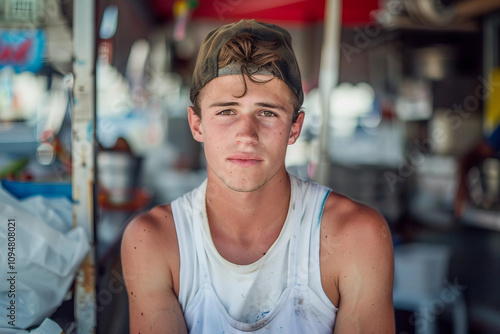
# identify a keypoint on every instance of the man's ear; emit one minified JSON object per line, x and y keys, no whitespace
{"x":195,"y":125}
{"x":296,"y":128}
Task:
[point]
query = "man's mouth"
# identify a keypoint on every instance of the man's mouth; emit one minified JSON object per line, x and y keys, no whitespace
{"x":245,"y":160}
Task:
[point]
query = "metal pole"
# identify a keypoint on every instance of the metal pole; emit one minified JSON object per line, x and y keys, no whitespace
{"x":83,"y":156}
{"x":328,"y":79}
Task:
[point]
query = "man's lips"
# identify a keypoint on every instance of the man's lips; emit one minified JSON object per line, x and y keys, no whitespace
{"x":245,"y":160}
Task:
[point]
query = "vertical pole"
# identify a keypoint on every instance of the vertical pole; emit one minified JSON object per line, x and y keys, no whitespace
{"x":83,"y":156}
{"x":328,"y":79}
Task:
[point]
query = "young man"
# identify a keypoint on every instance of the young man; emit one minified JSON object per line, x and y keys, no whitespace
{"x":254,"y":249}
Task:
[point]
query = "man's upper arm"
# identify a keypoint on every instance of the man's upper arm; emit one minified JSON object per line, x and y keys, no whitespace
{"x":365,"y":281}
{"x":153,"y":305}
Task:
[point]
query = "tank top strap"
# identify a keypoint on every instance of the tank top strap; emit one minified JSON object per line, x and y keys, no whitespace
{"x":310,"y":212}
{"x":200,"y":213}
{"x":293,"y":254}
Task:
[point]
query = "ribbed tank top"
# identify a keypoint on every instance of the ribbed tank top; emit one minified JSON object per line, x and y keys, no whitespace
{"x":279,"y":293}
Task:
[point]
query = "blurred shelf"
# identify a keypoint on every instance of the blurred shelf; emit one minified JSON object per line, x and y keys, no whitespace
{"x":17,"y":137}
{"x":489,"y":219}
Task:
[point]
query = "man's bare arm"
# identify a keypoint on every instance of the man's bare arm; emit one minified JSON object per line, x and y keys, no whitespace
{"x":364,"y":275}
{"x":147,"y":247}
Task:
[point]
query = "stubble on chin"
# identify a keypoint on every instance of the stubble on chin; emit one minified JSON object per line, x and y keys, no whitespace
{"x":239,"y":185}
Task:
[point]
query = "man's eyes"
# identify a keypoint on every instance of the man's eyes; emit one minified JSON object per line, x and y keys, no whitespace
{"x":268,"y":113}
{"x":225,"y":112}
{"x":265,"y":113}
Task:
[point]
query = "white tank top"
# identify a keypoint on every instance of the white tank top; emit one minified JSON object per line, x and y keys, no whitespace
{"x":279,"y":293}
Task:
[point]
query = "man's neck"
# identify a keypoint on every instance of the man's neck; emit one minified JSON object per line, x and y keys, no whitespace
{"x":252,"y":220}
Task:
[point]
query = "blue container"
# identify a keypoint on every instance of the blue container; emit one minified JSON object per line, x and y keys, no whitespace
{"x":26,"y":189}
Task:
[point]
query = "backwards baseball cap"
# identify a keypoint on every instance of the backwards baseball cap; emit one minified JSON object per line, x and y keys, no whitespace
{"x":207,"y":63}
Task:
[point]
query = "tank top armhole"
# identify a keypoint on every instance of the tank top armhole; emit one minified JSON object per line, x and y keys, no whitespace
{"x":188,"y":275}
{"x":184,"y":211}
{"x":315,"y":270}
{"x":179,"y":230}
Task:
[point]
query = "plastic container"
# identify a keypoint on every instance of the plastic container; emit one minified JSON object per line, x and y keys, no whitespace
{"x":421,"y":267}
{"x":118,"y":174}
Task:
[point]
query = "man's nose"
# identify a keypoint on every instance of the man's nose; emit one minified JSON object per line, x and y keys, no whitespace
{"x":248,"y":130}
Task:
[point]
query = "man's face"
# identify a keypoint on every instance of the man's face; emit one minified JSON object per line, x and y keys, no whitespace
{"x":245,"y":138}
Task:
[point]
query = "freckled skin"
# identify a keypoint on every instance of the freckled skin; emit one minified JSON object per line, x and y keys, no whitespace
{"x":147,"y":310}
{"x":357,"y":266}
{"x":245,"y":129}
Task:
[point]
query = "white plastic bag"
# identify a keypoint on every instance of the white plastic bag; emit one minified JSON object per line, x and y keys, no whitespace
{"x":40,"y":252}
{"x":48,"y":326}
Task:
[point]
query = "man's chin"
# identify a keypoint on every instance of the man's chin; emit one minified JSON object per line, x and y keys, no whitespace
{"x":247,"y":183}
{"x":244,"y":186}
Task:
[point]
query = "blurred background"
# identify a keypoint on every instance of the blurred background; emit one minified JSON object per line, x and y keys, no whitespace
{"x":402,"y":106}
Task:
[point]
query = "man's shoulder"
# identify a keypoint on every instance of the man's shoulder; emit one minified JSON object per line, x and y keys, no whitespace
{"x":355,"y":248}
{"x":149,"y":252}
{"x":150,"y":227}
{"x":356,"y":243}
{"x":353,"y":222}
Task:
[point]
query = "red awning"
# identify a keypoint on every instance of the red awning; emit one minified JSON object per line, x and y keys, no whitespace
{"x":354,"y":12}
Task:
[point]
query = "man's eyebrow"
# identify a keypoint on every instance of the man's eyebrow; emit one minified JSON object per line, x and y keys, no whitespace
{"x":224,"y":104}
{"x":258,"y":104}
{"x":270,"y":105}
